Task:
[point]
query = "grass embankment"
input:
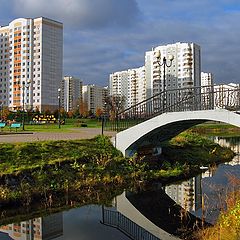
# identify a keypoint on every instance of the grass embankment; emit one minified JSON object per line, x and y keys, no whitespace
{"x":216,"y":129}
{"x":194,"y":150}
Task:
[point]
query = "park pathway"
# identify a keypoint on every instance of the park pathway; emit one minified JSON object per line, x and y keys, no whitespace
{"x":85,"y":133}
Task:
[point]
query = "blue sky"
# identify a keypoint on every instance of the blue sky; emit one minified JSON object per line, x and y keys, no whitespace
{"x":104,"y":36}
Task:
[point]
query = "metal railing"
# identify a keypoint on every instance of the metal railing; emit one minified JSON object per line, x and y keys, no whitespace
{"x":128,"y":227}
{"x":176,"y":100}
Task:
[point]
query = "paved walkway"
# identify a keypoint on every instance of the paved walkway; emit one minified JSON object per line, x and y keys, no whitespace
{"x":85,"y":133}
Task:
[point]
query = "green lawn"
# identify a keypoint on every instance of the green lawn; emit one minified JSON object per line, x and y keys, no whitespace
{"x":69,"y":126}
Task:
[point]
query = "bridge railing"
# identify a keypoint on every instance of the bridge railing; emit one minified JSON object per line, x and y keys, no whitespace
{"x":176,"y":100}
{"x":131,"y":229}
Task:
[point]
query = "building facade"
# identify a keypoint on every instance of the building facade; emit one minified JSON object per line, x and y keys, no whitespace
{"x":118,"y":85}
{"x":94,"y":97}
{"x":71,"y":93}
{"x":206,"y":79}
{"x":131,"y":84}
{"x":182,"y":72}
{"x":31,"y":61}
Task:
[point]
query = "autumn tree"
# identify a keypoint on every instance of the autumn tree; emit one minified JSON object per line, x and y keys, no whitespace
{"x":99,"y":112}
{"x":114,"y":105}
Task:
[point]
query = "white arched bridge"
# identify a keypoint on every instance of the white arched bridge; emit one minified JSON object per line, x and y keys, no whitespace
{"x":165,"y":115}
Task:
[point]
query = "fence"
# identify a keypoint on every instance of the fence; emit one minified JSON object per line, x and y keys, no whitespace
{"x":176,"y":100}
{"x":131,"y":229}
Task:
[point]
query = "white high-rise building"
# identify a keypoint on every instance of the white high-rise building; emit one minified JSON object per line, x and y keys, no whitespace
{"x":118,"y":84}
{"x":71,"y":92}
{"x":184,"y":71}
{"x":130,"y":84}
{"x":136,"y":86}
{"x":31,"y":59}
{"x":94,"y":97}
{"x":206,"y":79}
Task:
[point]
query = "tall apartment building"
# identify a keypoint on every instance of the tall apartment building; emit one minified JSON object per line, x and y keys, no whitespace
{"x":31,"y":58}
{"x":184,"y":71}
{"x":71,"y":92}
{"x":94,"y":97}
{"x":118,"y":84}
{"x":131,"y":84}
{"x":141,"y":83}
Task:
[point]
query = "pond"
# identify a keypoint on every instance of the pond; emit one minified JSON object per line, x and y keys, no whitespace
{"x":147,"y":214}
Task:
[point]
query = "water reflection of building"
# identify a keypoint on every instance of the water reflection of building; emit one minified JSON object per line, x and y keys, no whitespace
{"x":187,"y":194}
{"x":233,"y":143}
{"x":45,"y":228}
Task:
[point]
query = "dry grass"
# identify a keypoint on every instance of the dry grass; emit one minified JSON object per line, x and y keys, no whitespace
{"x":228,"y":224}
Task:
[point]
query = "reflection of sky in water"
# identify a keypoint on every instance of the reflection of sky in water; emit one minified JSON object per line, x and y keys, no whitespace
{"x":215,"y":189}
{"x":4,"y":236}
{"x":84,"y":223}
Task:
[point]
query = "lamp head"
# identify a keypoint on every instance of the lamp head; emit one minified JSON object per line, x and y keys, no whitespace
{"x":171,"y":57}
{"x":157,"y":54}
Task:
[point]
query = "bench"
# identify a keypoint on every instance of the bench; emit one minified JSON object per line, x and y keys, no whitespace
{"x":2,"y":125}
{"x":15,"y":125}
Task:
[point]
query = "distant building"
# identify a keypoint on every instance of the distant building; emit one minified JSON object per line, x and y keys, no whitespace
{"x":71,"y":92}
{"x":94,"y":97}
{"x":31,"y":61}
{"x":207,"y":90}
{"x":131,"y":84}
{"x":206,"y":79}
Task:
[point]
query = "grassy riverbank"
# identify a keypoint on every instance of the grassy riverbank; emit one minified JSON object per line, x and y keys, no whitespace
{"x":45,"y":172}
{"x":195,"y":150}
{"x":216,"y":129}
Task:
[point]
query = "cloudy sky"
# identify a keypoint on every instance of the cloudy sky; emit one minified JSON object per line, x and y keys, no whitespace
{"x":104,"y":36}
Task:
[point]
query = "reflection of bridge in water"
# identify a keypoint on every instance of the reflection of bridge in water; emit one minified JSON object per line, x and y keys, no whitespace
{"x":150,"y":215}
{"x":168,"y":113}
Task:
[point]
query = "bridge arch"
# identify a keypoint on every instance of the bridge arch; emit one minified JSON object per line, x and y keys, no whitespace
{"x":166,"y":126}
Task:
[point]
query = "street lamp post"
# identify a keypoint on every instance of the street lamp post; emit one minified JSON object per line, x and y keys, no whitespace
{"x":23,"y":92}
{"x":23,"y":108}
{"x":59,"y":106}
{"x":103,"y":116}
{"x":2,"y":111}
{"x":164,"y":64}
